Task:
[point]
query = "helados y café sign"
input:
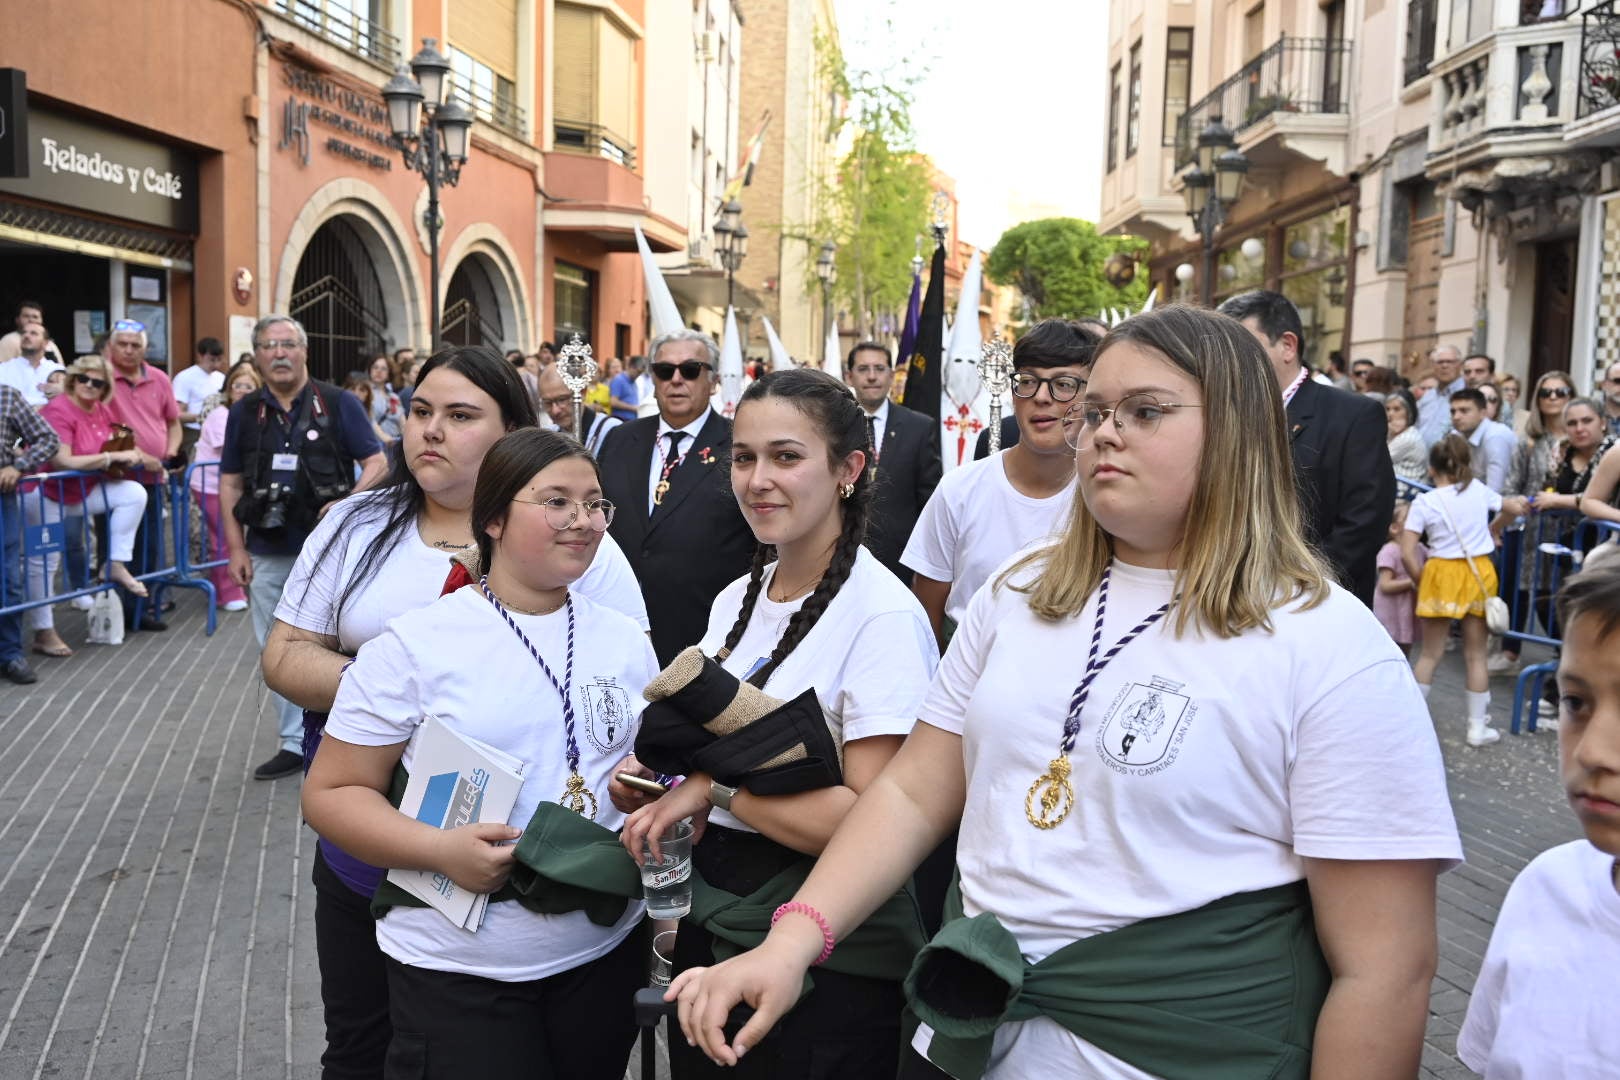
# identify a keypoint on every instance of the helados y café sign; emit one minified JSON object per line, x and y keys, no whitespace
{"x":80,"y":165}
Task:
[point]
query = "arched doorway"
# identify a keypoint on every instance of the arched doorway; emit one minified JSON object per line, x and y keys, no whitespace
{"x":472,"y":309}
{"x":339,"y":299}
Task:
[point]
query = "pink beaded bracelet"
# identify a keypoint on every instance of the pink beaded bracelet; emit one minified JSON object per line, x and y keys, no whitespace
{"x":827,"y":939}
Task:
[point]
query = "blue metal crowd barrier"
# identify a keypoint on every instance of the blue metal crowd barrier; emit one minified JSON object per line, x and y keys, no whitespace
{"x":56,"y":530}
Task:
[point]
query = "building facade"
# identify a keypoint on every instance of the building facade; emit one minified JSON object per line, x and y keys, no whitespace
{"x":1421,"y":171}
{"x":259,"y":175}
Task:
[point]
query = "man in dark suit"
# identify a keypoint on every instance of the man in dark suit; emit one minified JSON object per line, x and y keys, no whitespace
{"x":904,"y":451}
{"x":677,"y":519}
{"x":1340,"y":443}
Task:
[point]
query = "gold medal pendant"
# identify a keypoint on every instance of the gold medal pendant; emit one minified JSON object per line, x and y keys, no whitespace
{"x":1052,"y":787}
{"x":576,"y":796}
{"x":659,"y":491}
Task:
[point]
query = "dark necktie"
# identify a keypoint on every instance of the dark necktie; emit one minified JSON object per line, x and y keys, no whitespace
{"x":871,"y":443}
{"x":671,"y":459}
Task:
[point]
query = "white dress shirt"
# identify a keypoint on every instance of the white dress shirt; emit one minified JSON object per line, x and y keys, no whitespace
{"x":661,"y":449}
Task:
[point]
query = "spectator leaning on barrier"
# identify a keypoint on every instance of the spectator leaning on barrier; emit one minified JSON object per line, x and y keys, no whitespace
{"x":82,"y":420}
{"x":195,"y":385}
{"x":26,"y":443}
{"x":144,"y":402}
{"x":242,"y":380}
{"x":288,"y":456}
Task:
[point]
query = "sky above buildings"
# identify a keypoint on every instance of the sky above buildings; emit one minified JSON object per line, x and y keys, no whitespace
{"x":1013,"y":104}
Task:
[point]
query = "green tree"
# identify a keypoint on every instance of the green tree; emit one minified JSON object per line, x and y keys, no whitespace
{"x":877,"y":202}
{"x":1057,"y":263}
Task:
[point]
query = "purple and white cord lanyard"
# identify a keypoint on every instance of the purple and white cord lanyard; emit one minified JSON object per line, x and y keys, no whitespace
{"x":1052,"y":788}
{"x":576,"y":796}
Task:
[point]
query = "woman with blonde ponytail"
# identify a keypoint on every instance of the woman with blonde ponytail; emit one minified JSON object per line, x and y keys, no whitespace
{"x":1202,"y":807}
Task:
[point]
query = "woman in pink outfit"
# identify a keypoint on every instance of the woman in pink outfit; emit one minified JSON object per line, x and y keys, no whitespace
{"x":241,"y":381}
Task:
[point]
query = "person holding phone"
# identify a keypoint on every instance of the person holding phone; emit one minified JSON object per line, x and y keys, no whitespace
{"x":817,"y":611}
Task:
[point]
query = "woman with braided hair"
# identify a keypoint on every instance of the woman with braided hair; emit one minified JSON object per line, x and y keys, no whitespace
{"x":816,"y":611}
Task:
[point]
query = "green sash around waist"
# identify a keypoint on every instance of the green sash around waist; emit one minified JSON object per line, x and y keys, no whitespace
{"x":1228,"y":991}
{"x":565,"y":862}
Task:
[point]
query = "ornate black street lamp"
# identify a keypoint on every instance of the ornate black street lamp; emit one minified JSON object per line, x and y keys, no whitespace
{"x":1210,"y":188}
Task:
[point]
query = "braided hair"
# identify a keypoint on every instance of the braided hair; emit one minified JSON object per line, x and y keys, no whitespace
{"x":832,"y":409}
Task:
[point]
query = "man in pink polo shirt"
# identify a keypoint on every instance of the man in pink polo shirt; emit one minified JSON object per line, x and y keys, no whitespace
{"x":144,"y":401}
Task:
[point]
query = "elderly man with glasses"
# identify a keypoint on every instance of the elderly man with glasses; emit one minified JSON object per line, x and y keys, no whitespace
{"x":677,"y":521}
{"x":289,"y":455}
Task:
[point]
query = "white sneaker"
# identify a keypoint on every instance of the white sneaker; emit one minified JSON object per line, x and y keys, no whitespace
{"x":82,"y":603}
{"x":1546,"y":715}
{"x":1503,"y":664}
{"x":234,"y":605}
{"x":1480,"y":733}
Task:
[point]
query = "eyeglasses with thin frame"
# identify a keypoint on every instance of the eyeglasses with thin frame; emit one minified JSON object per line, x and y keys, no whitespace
{"x":560,"y":399}
{"x":1133,"y":415}
{"x":90,"y":380}
{"x":689,"y":369}
{"x":284,"y":344}
{"x":1061,"y":387}
{"x":562,"y":512}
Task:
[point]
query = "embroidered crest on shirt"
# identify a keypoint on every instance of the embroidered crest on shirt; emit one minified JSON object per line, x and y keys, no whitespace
{"x":1144,"y":727}
{"x":609,"y":718}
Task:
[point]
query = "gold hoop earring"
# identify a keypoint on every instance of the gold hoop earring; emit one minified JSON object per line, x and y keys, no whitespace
{"x":846,"y":490}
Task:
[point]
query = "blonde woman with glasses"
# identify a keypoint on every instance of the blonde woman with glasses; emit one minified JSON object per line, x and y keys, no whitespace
{"x":1211,"y":846}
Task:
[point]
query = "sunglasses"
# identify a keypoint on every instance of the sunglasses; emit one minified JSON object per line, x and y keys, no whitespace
{"x":129,"y":326}
{"x":689,"y":370}
{"x":1553,"y":392}
{"x":91,"y":380}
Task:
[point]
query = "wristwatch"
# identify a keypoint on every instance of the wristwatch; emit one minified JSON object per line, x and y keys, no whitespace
{"x":720,"y":795}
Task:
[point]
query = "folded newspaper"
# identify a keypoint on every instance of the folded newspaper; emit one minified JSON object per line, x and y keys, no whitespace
{"x":455,"y":780}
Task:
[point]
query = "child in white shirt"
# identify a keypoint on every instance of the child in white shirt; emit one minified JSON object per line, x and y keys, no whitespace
{"x":1542,"y":1005}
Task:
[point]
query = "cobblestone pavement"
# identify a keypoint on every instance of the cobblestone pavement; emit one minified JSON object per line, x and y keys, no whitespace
{"x":155,"y":910}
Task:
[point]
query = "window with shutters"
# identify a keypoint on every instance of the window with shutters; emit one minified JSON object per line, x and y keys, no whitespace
{"x":489,"y":94}
{"x":1113,"y":119}
{"x":1178,"y":49}
{"x":1133,"y":114}
{"x":594,"y":67}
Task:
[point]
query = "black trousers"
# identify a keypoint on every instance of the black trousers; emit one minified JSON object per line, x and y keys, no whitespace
{"x":354,"y":979}
{"x":847,"y":1027}
{"x":575,"y":1025}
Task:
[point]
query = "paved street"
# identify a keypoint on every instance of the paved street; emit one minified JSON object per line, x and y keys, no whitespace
{"x":155,"y":911}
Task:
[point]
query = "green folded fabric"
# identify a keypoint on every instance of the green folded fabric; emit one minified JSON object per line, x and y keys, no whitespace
{"x":1228,"y":991}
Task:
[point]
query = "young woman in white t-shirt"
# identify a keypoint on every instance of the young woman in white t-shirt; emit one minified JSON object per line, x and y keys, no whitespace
{"x":375,"y":556}
{"x":1458,"y":574}
{"x":1140,"y":732}
{"x":553,"y":679}
{"x":816,"y":611}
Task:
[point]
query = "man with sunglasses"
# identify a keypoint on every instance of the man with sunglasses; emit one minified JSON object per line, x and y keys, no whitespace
{"x":677,"y":519}
{"x":1339,"y":442}
{"x":983,"y":512}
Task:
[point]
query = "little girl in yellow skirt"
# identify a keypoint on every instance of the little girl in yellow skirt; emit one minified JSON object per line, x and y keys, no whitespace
{"x":1459,"y":574}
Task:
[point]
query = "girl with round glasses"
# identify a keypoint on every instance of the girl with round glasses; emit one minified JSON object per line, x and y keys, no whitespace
{"x":1191,"y":840}
{"x":819,"y":613}
{"x":378,"y":555}
{"x":523,"y":664}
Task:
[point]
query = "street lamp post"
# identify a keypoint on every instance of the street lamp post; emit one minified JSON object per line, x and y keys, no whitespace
{"x":1210,"y":188}
{"x":827,"y":271}
{"x":731,"y":243}
{"x":432,"y":135}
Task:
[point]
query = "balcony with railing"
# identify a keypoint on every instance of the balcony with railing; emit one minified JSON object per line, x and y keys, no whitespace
{"x":1597,"y":110}
{"x":594,"y":139}
{"x":1293,"y":96}
{"x":336,"y":21}
{"x":496,"y":109}
{"x":1507,"y":94}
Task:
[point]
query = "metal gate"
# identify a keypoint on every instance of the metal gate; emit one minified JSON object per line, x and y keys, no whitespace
{"x":471,"y":315}
{"x":338,"y":298}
